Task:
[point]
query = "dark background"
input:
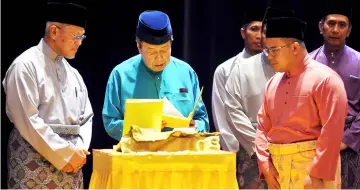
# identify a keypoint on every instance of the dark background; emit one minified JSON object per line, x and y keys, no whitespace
{"x":206,"y":33}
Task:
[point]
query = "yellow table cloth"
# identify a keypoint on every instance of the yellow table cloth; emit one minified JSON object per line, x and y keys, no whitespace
{"x":156,"y":170}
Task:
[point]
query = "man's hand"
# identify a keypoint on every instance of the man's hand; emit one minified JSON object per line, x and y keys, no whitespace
{"x":71,"y":168}
{"x":86,"y":152}
{"x":343,"y":146}
{"x":193,"y":124}
{"x":313,"y":183}
{"x":163,"y":124}
{"x":68,"y":168}
{"x":271,"y":176}
{"x":77,"y":161}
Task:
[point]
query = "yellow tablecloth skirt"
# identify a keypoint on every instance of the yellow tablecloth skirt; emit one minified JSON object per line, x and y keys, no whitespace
{"x":176,"y":170}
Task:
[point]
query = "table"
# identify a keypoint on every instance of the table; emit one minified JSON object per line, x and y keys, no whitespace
{"x":169,"y":170}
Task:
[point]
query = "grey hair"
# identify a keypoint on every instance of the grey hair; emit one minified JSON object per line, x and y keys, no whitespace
{"x":302,"y":44}
{"x":49,"y":23}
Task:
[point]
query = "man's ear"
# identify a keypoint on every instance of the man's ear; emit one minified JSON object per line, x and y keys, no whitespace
{"x":242,"y":32}
{"x":349,"y":32}
{"x":138,"y":45}
{"x":321,"y":27}
{"x":296,"y":48}
{"x":53,"y":32}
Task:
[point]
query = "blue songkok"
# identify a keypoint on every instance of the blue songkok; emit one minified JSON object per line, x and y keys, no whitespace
{"x":154,"y":27}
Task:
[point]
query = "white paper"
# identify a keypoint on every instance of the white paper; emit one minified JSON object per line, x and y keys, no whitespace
{"x":187,"y":130}
{"x":169,"y":109}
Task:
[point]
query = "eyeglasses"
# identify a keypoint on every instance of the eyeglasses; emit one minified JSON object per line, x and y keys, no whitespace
{"x":75,"y":36}
{"x":79,"y":37}
{"x":273,"y":51}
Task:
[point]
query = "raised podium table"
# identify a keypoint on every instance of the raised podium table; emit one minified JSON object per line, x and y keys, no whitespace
{"x":163,"y":170}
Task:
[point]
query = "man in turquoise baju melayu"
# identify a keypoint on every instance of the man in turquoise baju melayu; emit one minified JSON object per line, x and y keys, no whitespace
{"x":153,"y":74}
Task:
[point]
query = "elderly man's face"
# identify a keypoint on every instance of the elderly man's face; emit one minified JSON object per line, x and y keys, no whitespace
{"x":68,"y":39}
{"x":156,"y":57}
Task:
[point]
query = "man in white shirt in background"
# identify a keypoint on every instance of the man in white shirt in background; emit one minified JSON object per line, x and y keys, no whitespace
{"x":250,"y":32}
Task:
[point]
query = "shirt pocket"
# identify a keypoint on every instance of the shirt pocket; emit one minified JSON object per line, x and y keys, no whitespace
{"x":181,"y":96}
{"x":300,"y":107}
{"x":75,"y":98}
{"x":305,"y":112}
{"x":82,"y":97}
{"x":182,"y":101}
{"x":300,"y":100}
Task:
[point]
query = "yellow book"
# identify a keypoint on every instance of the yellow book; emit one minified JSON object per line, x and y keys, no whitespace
{"x":149,"y":113}
{"x":144,"y":113}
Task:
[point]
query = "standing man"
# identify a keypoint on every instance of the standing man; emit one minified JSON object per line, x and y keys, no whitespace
{"x":47,"y":101}
{"x":250,"y":32}
{"x":153,"y":74}
{"x":301,"y":120}
{"x":335,"y":27}
{"x":244,"y":95}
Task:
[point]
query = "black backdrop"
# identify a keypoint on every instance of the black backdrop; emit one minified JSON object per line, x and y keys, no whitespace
{"x":206,"y":33}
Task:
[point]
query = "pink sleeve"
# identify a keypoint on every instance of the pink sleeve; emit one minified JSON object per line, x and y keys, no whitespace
{"x":330,"y":97}
{"x":264,"y":124}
